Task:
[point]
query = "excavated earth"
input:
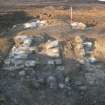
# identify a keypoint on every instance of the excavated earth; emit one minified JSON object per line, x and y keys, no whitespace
{"x":74,"y":83}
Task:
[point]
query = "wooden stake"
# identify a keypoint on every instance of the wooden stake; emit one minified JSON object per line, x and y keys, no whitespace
{"x":71,"y":14}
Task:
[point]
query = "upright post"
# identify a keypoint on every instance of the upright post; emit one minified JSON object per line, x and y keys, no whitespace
{"x":71,"y":14}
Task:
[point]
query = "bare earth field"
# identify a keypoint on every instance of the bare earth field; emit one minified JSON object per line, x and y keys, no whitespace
{"x":77,"y":84}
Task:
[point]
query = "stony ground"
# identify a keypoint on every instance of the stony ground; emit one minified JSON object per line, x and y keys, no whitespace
{"x":46,"y":86}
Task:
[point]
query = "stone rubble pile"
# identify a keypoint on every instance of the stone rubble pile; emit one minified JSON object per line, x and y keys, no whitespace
{"x":78,"y":26}
{"x":84,"y":49}
{"x":27,"y":53}
{"x":37,"y":60}
{"x":88,"y":46}
{"x":35,"y":23}
{"x":51,"y":49}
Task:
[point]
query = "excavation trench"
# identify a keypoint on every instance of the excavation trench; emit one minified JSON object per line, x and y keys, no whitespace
{"x":52,"y":63}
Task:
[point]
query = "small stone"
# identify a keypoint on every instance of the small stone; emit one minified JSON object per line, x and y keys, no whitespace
{"x":51,"y":62}
{"x":61,"y":68}
{"x":92,"y":60}
{"x":41,"y":79}
{"x":52,"y":83}
{"x":61,"y":85}
{"x":7,"y":62}
{"x":22,"y":73}
{"x":78,"y":83}
{"x":30,"y":63}
{"x":58,"y":61}
{"x":52,"y":44}
{"x":67,"y":79}
{"x":90,"y":77}
{"x":83,"y":87}
{"x":27,"y":77}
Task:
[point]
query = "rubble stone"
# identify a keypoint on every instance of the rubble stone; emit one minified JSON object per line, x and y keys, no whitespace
{"x":52,"y":82}
{"x":58,"y":61}
{"x":90,"y":78}
{"x":22,"y":73}
{"x":52,"y":44}
{"x":78,"y":26}
{"x":51,"y":62}
{"x":61,"y":68}
{"x":61,"y":85}
{"x":30,"y":63}
{"x":67,"y":79}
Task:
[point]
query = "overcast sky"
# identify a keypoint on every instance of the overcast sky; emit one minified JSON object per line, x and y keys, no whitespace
{"x":101,"y":0}
{"x":6,"y":2}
